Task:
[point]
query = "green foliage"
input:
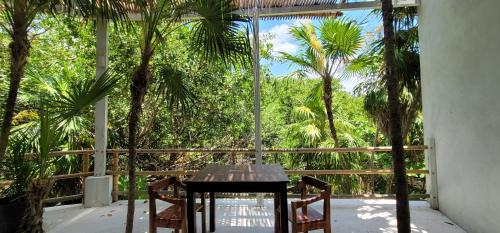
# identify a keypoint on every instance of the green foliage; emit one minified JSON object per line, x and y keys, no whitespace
{"x":141,"y":182}
{"x":371,"y":66}
{"x":307,"y":127}
{"x":55,"y":112}
{"x":17,"y":167}
{"x":214,"y":108}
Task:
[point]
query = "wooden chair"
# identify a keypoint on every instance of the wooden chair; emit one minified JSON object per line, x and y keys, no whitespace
{"x":175,"y":215}
{"x":302,"y":217}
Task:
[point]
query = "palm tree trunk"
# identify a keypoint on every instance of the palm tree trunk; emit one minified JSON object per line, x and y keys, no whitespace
{"x":328,"y":98}
{"x":138,"y":90}
{"x":19,"y":50}
{"x":402,"y":204}
{"x":36,"y":192}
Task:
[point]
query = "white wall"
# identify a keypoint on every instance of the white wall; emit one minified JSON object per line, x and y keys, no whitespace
{"x":460,"y":42}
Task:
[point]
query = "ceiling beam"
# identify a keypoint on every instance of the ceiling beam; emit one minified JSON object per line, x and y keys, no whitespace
{"x":312,"y":9}
{"x":323,"y":8}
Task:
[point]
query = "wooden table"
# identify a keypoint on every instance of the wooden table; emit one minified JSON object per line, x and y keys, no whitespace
{"x":237,"y":179}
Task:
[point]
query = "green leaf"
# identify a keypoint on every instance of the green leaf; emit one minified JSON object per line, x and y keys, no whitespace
{"x":216,"y":32}
{"x":68,"y":104}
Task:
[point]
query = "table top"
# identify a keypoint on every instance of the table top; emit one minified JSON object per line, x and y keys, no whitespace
{"x":215,"y":173}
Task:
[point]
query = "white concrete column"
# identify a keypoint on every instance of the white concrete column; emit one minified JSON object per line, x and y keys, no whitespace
{"x":98,"y":187}
{"x":256,"y":86}
{"x":101,"y":111}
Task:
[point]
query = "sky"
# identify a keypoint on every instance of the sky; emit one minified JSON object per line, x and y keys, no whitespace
{"x":283,"y":42}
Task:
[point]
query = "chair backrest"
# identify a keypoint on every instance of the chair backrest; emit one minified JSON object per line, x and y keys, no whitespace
{"x":325,"y":192}
{"x":164,"y":184}
{"x":319,"y":184}
{"x":154,"y":190}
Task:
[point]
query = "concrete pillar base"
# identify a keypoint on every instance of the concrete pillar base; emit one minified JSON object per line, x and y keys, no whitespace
{"x":98,"y":191}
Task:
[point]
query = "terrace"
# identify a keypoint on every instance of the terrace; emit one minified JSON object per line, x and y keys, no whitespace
{"x":350,"y":213}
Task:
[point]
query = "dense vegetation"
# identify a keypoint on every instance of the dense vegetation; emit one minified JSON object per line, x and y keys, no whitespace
{"x":216,"y":110}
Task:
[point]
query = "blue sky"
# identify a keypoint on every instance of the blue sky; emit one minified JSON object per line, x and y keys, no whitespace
{"x":282,"y":40}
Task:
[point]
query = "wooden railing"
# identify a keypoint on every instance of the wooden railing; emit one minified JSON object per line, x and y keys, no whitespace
{"x":116,"y":170}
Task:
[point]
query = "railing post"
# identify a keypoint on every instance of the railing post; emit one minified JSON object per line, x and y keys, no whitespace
{"x":85,"y":168}
{"x":85,"y":162}
{"x":116,"y":169}
{"x":431,"y":178}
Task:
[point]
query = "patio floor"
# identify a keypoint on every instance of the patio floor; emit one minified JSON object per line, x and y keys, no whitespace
{"x":241,"y":215}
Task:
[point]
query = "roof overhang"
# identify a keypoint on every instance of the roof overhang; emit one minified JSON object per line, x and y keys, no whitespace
{"x":292,"y":9}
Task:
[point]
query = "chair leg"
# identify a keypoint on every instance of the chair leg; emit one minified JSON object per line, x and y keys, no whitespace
{"x":328,"y":228}
{"x":294,"y":228}
{"x":277,"y":222}
{"x":204,"y":220}
{"x":184,"y":227}
{"x":277,"y":219}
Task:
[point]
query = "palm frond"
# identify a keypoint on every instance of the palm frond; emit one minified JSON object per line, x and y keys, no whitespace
{"x":48,"y":134}
{"x":82,"y":95}
{"x":304,"y":112}
{"x":216,"y":32}
{"x":314,"y":98}
{"x":298,"y":60}
{"x":363,"y":65}
{"x":157,"y":17}
{"x":114,"y":10}
{"x":173,"y":88}
{"x":311,"y":133}
{"x":341,"y":38}
{"x":313,"y":48}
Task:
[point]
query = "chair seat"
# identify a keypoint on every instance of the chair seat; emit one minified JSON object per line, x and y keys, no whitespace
{"x":312,"y":216}
{"x":173,"y":213}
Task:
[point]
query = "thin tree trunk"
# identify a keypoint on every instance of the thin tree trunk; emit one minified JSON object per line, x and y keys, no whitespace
{"x":388,"y":186}
{"x":328,"y":98}
{"x":138,"y":90}
{"x":402,"y":204}
{"x":372,"y":157}
{"x":19,"y":50}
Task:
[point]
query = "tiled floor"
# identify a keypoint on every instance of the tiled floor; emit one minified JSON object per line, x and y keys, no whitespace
{"x":241,"y":216}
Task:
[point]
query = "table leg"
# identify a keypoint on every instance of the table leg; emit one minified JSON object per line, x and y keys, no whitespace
{"x":284,"y":211}
{"x":277,"y":219}
{"x":191,"y":217}
{"x":212,"y":212}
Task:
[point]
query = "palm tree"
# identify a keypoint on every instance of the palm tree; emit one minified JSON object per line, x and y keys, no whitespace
{"x":408,"y":74}
{"x":326,"y":55}
{"x":215,"y":34}
{"x":19,"y":17}
{"x":55,"y":110}
{"x":310,"y":129}
{"x":399,"y":165}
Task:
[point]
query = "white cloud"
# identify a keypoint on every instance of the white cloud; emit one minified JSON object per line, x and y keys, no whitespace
{"x":281,"y":39}
{"x":350,"y":84}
